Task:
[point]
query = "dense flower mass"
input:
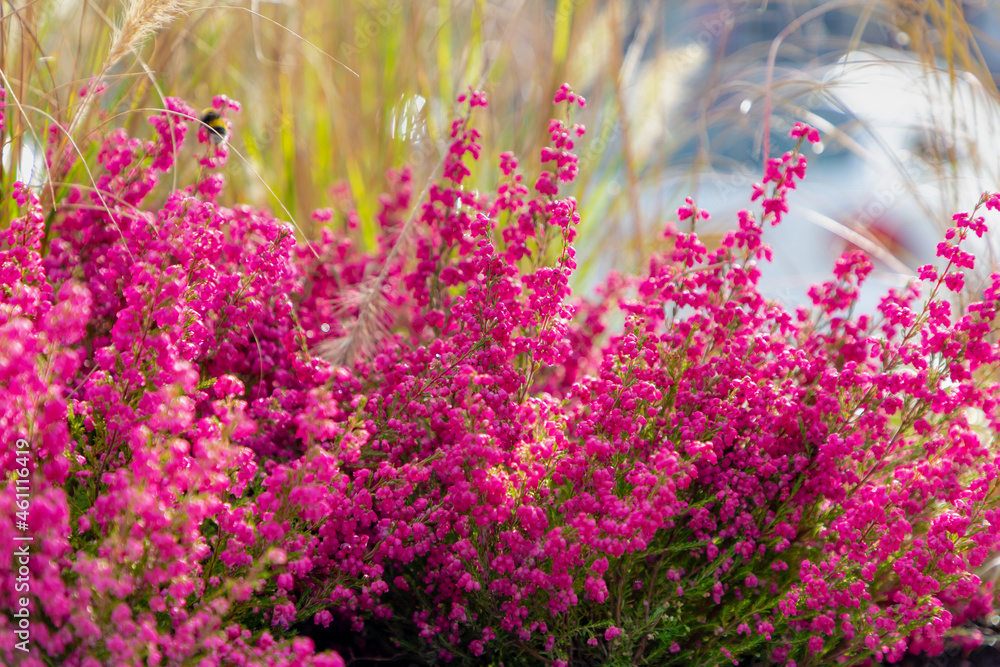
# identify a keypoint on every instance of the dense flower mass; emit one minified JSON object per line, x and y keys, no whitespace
{"x":676,"y":472}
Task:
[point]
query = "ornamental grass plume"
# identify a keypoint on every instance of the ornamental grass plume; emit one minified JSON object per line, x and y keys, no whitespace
{"x":141,"y":19}
{"x":503,"y":475}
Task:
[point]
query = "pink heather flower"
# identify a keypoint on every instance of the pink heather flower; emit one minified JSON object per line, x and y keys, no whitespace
{"x":611,"y":633}
{"x":228,"y":385}
{"x":800,"y":130}
{"x":322,"y":215}
{"x":689,"y":210}
{"x":566,"y":94}
{"x":927,"y":272}
{"x":955,"y":281}
{"x":221,"y":102}
{"x":475,"y":98}
{"x":328,"y":660}
{"x":508,"y":163}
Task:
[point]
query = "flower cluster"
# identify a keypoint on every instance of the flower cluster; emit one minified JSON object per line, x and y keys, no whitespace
{"x":123,"y":353}
{"x":675,"y":472}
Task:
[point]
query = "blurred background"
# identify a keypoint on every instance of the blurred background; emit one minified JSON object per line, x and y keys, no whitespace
{"x":683,"y":97}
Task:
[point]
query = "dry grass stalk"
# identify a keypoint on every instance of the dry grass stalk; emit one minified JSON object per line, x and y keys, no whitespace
{"x":364,"y":332}
{"x":141,"y":19}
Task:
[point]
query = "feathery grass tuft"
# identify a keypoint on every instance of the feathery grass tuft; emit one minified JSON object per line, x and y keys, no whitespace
{"x":140,"y":20}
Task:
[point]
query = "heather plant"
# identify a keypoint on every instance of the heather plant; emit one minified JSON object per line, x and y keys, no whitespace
{"x":676,"y":472}
{"x":724,"y":480}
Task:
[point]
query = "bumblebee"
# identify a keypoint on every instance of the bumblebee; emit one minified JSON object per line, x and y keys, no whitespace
{"x":217,"y":130}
